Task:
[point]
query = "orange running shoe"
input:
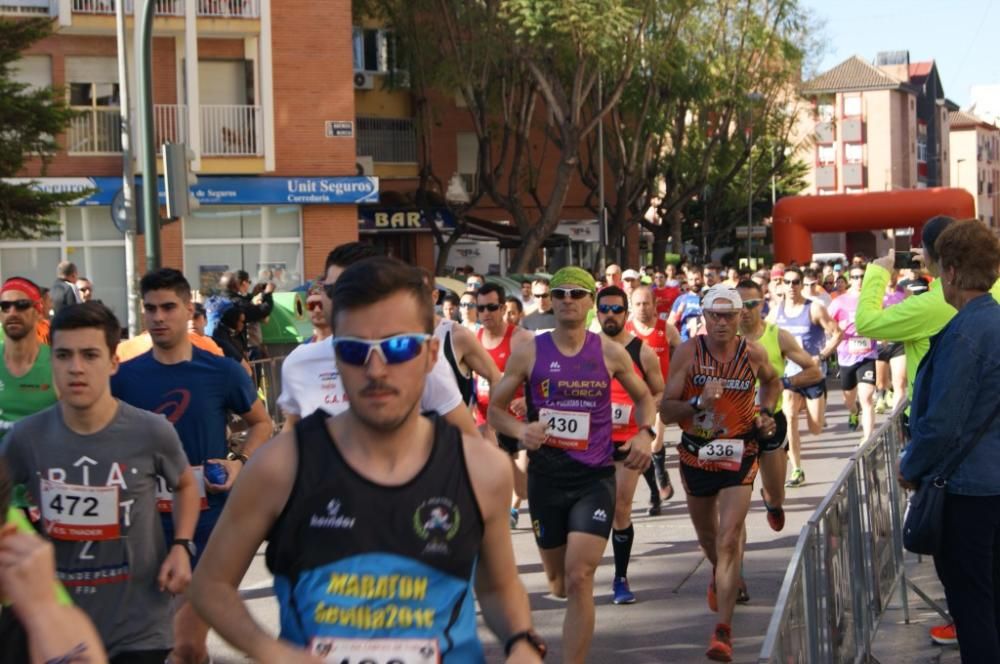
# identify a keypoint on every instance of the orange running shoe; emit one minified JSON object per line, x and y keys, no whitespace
{"x":944,"y":635}
{"x":720,"y":646}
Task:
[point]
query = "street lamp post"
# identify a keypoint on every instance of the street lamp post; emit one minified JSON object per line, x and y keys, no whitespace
{"x":753,"y":98}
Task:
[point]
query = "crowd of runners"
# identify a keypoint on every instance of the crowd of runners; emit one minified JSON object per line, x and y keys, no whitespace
{"x":416,"y":425}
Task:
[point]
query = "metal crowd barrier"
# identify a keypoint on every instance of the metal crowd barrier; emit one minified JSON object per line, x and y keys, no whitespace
{"x":847,"y":562}
{"x":267,"y":375}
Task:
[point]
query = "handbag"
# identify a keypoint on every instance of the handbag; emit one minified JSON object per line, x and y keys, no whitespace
{"x":923,"y":523}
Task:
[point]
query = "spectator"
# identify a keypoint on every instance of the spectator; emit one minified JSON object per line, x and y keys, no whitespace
{"x":474,"y":282}
{"x":231,"y":285}
{"x":955,"y":399}
{"x":63,"y":291}
{"x":228,"y":334}
{"x":86,"y":289}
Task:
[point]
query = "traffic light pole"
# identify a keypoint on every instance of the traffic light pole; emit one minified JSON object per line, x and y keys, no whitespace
{"x":150,"y":195}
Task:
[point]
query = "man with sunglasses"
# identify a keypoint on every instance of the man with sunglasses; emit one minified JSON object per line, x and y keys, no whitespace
{"x":686,"y":310}
{"x":612,"y":314}
{"x":571,"y":474}
{"x":26,"y":372}
{"x":810,"y":325}
{"x":379,"y":523}
{"x":469,"y":311}
{"x":712,"y":394}
{"x":542,"y":319}
{"x":856,"y":355}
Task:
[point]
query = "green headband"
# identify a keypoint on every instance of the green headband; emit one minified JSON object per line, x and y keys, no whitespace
{"x":573,"y":276}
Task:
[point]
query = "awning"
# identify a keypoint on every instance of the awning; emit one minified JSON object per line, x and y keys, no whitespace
{"x":507,"y":235}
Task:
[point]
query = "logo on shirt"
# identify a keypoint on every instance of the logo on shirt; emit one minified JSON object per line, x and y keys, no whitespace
{"x":175,"y":404}
{"x":554,"y":366}
{"x":437,"y":521}
{"x":543,"y":387}
{"x":333,"y":518}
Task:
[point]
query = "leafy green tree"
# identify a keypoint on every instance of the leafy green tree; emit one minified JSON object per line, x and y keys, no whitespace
{"x":30,"y":118}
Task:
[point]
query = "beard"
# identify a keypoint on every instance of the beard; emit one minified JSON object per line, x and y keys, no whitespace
{"x":612,"y":328}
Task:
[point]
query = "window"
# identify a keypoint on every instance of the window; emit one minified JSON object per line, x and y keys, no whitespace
{"x":468,"y":159}
{"x":265,"y":241}
{"x":374,"y":50}
{"x":93,"y":91}
{"x":854,"y":153}
{"x":391,"y":140}
{"x":852,"y":106}
{"x":825,"y":112}
{"x":826,"y":154}
{"x":33,"y":70}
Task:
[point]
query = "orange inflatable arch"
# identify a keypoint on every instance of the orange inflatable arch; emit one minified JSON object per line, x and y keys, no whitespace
{"x":796,"y":218}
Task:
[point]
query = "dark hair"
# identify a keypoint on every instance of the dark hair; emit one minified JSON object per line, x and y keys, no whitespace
{"x":750,"y":284}
{"x":932,"y":230}
{"x":612,"y":291}
{"x":452,"y":298}
{"x":794,"y":268}
{"x":242,"y":275}
{"x":348,"y":254}
{"x":488,"y":288}
{"x":374,"y":279}
{"x":65,"y":269}
{"x":88,"y":315}
{"x":199,"y":310}
{"x":166,"y":278}
{"x":973,"y":250}
{"x":810,"y":273}
{"x":517,"y":302}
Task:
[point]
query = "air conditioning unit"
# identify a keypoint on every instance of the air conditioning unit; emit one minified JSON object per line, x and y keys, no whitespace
{"x":363,"y":80}
{"x":365,"y":165}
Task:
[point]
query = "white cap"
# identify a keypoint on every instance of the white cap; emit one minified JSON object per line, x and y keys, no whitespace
{"x":722,"y":298}
{"x":630,"y":274}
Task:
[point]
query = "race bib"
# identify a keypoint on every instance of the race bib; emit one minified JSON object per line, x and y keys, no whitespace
{"x":79,"y":513}
{"x":165,"y":497}
{"x":859,"y":345}
{"x":566,"y":429}
{"x":621,"y":414}
{"x":724,"y":452}
{"x":376,"y":651}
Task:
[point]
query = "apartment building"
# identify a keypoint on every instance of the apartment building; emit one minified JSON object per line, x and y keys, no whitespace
{"x":264,"y":98}
{"x":874,"y":127}
{"x":975,"y":163}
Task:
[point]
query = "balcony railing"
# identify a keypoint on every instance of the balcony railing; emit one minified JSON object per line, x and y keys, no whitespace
{"x":226,"y":131}
{"x":206,"y":8}
{"x":388,"y":139}
{"x":28,"y":7}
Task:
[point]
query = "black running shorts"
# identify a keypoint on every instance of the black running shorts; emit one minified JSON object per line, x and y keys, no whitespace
{"x":557,"y":510}
{"x":890,"y":350}
{"x":862,"y":372}
{"x":705,"y":483}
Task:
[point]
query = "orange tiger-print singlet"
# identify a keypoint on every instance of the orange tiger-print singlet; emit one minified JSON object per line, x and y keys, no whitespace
{"x":733,"y":414}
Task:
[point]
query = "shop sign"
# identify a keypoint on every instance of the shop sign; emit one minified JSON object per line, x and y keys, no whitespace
{"x":339,"y":128}
{"x":382,"y":219}
{"x":580,"y":231}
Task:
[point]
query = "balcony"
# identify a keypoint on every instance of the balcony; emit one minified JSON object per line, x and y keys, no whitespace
{"x":29,"y":7}
{"x":854,"y":175}
{"x":205,"y":8}
{"x":226,"y":131}
{"x":388,"y":140}
{"x":826,"y":177}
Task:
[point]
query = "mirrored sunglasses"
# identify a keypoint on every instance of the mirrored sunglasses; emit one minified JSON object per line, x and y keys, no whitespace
{"x":393,"y":350}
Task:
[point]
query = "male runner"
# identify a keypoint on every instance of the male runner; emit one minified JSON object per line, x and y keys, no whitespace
{"x":612,"y":313}
{"x":856,"y":355}
{"x":376,"y":518}
{"x":542,"y":319}
{"x":712,"y":395}
{"x":93,"y":463}
{"x":571,"y":485}
{"x":686,"y":312}
{"x":499,"y":340}
{"x":196,"y":391}
{"x":663,"y":339}
{"x":513,"y":312}
{"x":309,"y":376}
{"x":809,"y":323}
{"x":783,"y":350}
{"x":26,"y":371}
{"x":665,"y":294}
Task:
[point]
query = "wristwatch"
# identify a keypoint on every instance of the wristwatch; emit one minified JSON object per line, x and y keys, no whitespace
{"x":237,"y":456}
{"x":767,"y":411}
{"x":695,"y":402}
{"x":529,"y":635}
{"x":650,"y":430}
{"x":189,"y":546}
{"x":786,"y":382}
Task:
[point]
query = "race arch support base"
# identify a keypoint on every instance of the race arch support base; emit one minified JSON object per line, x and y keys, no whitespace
{"x":796,"y":218}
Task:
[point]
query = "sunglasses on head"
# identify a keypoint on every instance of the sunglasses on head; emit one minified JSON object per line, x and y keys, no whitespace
{"x":574,"y":293}
{"x":489,"y":307}
{"x":793,"y":282}
{"x":611,"y":308}
{"x":750,"y":304}
{"x":20,"y":305}
{"x":393,"y":350}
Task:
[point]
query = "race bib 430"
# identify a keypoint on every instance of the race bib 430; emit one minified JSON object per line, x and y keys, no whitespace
{"x":79,"y":513}
{"x":568,"y":430}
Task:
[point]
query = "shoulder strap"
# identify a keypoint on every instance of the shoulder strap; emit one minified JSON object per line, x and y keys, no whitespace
{"x":957,"y":461}
{"x":634,"y":348}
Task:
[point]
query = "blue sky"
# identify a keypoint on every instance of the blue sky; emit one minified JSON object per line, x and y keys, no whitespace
{"x":961,"y":35}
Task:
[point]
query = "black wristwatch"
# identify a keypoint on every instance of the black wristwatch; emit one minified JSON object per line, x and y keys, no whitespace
{"x":650,"y":430}
{"x":189,"y":546}
{"x":237,"y":456}
{"x":531,"y":636}
{"x":767,"y":411}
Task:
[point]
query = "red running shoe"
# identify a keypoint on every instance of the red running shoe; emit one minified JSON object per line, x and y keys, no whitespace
{"x":720,"y":646}
{"x":944,"y":635}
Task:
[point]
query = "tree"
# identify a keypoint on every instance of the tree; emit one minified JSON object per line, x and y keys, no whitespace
{"x":30,"y":118}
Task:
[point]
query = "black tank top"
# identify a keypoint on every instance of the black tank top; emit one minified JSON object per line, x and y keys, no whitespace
{"x":466,"y":384}
{"x":355,"y":559}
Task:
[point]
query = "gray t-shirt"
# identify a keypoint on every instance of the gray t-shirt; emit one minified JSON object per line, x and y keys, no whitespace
{"x":539,"y":322}
{"x":110,"y":575}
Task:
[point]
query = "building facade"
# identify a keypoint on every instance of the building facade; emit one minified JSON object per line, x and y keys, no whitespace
{"x":975,"y":162}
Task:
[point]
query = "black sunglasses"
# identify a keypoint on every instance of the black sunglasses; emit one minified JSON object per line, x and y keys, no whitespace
{"x":469,"y":305}
{"x":611,"y":308}
{"x":541,"y":295}
{"x":489,"y":307}
{"x":20,"y":305}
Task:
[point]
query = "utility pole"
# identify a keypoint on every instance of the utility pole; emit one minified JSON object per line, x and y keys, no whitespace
{"x":150,"y":193}
{"x":128,"y":171}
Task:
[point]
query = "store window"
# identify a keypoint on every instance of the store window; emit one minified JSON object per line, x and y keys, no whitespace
{"x":265,"y":241}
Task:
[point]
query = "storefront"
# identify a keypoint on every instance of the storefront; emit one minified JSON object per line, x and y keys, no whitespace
{"x":264,"y":225}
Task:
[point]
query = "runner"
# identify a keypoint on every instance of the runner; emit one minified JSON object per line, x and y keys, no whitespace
{"x":810,"y":325}
{"x":499,"y":340}
{"x":513,"y":312}
{"x":542,"y":319}
{"x":783,"y":350}
{"x":196,"y":391}
{"x":375,"y":519}
{"x":663,"y":339}
{"x":93,"y":465}
{"x":467,"y":308}
{"x":612,"y":312}
{"x":310,"y":379}
{"x":686,"y":312}
{"x":711,"y":394}
{"x":571,"y":491}
{"x":664,"y":293}
{"x":856,"y":355}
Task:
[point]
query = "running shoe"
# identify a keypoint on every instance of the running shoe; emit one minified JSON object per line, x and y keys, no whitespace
{"x":775,"y":515}
{"x":853,"y":421}
{"x":798,"y":478}
{"x":944,"y":635}
{"x":742,"y":595}
{"x":713,"y":601}
{"x":882,"y":405}
{"x":623,"y":594}
{"x":666,"y":492}
{"x":720,"y":646}
{"x":655,"y":507}
{"x":514,"y":514}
